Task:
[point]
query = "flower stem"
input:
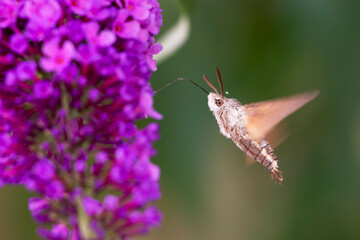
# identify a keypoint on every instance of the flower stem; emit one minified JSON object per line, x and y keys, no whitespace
{"x":84,"y":221}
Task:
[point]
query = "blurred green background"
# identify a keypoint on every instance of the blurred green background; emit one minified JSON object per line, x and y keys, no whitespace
{"x":265,"y":49}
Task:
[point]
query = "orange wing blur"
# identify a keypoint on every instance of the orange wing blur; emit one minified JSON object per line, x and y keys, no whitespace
{"x":263,"y":116}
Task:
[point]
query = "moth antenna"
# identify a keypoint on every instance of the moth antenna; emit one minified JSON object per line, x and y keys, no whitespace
{"x":209,"y":83}
{"x":179,"y":79}
{"x":219,"y":79}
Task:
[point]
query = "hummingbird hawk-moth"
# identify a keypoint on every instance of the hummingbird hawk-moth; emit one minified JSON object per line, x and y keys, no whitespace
{"x":248,"y":125}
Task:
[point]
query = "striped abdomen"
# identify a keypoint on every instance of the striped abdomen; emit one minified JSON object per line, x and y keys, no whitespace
{"x":260,"y":151}
{"x":232,"y":126}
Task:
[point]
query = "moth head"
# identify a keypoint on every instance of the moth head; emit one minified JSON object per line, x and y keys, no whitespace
{"x":215,"y":100}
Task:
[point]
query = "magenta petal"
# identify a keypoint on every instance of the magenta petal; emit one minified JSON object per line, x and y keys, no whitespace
{"x":55,"y":190}
{"x":91,"y":29}
{"x":151,"y":63}
{"x":146,"y":104}
{"x":44,"y":170}
{"x":143,"y":35}
{"x":97,"y":10}
{"x":47,"y":64}
{"x":79,"y":6}
{"x":106,"y":38}
{"x":26,"y":70}
{"x":125,"y":29}
{"x":43,"y":90}
{"x":91,"y":205}
{"x":122,"y":16}
{"x":130,"y":29}
{"x":140,"y":13}
{"x":87,"y":54}
{"x":68,"y":50}
{"x":60,"y":231}
{"x":155,"y":49}
{"x":43,"y":12}
{"x":35,"y":32}
{"x":50,"y":47}
{"x":101,"y":157}
{"x":152,"y":216}
{"x":10,"y":78}
{"x":18,"y":43}
{"x":94,"y":94}
{"x":37,"y":205}
{"x":154,"y":171}
{"x":8,"y":12}
{"x":111,"y":202}
{"x":57,"y":59}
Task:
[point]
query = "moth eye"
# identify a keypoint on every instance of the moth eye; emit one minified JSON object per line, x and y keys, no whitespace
{"x":218,"y":102}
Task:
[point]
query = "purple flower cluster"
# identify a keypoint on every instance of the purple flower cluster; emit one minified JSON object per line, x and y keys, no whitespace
{"x":73,"y":81}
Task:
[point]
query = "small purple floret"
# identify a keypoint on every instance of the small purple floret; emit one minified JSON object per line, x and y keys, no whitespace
{"x":10,"y":78}
{"x":111,"y":202}
{"x":8,"y":12}
{"x":43,"y":89}
{"x":44,"y":170}
{"x":18,"y":43}
{"x":26,"y":70}
{"x":55,"y":189}
{"x":139,"y":9}
{"x":104,"y":38}
{"x":57,"y":58}
{"x":124,"y":28}
{"x":43,"y":12}
{"x":92,"y":206}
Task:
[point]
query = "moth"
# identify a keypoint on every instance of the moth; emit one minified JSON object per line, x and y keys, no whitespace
{"x":248,"y":125}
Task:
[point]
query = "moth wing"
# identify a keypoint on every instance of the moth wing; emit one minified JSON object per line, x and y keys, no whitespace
{"x":278,"y":134}
{"x":263,"y":116}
